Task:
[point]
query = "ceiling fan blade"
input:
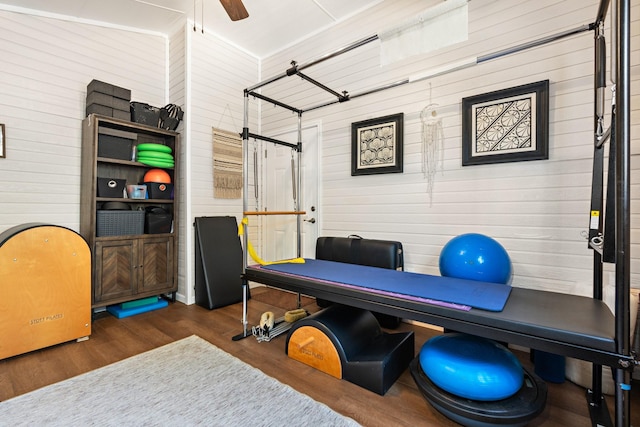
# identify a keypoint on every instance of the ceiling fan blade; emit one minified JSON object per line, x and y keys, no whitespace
{"x":235,"y":9}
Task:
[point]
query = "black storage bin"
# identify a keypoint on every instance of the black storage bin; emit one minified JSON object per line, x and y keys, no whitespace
{"x":119,"y":223}
{"x":114,"y":147}
{"x":111,"y":187}
{"x":157,"y":220}
{"x":145,"y":114}
{"x":159,"y":190}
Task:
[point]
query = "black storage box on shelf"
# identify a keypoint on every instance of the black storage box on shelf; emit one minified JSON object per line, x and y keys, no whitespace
{"x":108,"y":111}
{"x":159,"y":190}
{"x":109,"y":89}
{"x":145,"y":114}
{"x":111,"y":187}
{"x":115,"y":147}
{"x":108,"y":100}
{"x":157,"y":220}
{"x":119,"y":223}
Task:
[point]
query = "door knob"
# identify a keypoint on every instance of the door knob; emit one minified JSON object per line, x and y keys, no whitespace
{"x":312,"y":220}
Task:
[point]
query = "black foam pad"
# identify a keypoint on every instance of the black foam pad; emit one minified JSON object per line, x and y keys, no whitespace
{"x":218,"y":262}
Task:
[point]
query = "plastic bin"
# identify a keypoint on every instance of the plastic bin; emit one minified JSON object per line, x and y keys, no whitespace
{"x":119,"y":223}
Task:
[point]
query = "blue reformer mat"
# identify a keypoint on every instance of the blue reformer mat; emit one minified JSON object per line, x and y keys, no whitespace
{"x":120,"y":312}
{"x":482,"y":295}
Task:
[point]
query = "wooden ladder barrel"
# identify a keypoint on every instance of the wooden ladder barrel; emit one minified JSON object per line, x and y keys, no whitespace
{"x":45,"y":288}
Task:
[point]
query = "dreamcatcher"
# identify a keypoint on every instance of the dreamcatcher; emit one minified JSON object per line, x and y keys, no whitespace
{"x":432,"y":145}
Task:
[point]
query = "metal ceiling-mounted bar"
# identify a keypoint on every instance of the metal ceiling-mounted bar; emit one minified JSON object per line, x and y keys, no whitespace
{"x":350,"y":97}
{"x":341,"y":96}
{"x":465,"y":63}
{"x":340,"y":51}
{"x":308,"y":64}
{"x":273,"y":101}
{"x":535,"y":43}
{"x":273,"y":140}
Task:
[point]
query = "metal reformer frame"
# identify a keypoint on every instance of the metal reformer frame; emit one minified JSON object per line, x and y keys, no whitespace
{"x":618,"y":197}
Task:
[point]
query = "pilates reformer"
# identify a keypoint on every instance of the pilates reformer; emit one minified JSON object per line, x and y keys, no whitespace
{"x":530,"y":318}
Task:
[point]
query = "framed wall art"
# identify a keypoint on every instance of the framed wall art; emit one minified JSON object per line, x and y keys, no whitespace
{"x":376,"y":145}
{"x":508,"y":125}
{"x":3,"y":141}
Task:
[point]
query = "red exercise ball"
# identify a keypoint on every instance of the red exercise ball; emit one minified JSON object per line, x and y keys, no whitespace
{"x":157,"y":175}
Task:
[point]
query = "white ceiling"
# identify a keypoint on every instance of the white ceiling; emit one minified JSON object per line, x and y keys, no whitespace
{"x":271,"y":25}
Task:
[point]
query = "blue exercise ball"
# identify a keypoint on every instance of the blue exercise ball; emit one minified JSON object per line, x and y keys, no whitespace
{"x":471,"y":367}
{"x":475,"y":257}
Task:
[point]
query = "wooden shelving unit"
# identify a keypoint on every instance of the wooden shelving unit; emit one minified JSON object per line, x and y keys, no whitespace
{"x":134,"y":266}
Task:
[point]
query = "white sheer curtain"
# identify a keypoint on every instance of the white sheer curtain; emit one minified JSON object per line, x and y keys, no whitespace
{"x":435,"y":28}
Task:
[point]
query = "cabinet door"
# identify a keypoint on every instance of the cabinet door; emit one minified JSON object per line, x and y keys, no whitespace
{"x":115,"y":269}
{"x":156,"y":265}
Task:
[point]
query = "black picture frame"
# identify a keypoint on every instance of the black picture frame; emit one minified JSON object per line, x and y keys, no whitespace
{"x":509,"y":125}
{"x":377,"y":145}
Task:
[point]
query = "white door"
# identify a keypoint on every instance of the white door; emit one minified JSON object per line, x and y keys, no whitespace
{"x":280,"y":231}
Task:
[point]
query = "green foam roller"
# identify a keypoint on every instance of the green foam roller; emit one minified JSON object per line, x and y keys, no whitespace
{"x":157,"y":155}
{"x":157,"y":163}
{"x":150,"y":146}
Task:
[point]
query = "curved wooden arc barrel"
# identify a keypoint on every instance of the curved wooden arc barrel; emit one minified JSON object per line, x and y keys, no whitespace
{"x":45,"y":288}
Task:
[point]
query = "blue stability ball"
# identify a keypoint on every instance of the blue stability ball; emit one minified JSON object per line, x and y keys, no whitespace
{"x":475,"y":257}
{"x":471,"y":367}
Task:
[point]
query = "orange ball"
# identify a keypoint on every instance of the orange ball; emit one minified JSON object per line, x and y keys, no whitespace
{"x":157,"y":175}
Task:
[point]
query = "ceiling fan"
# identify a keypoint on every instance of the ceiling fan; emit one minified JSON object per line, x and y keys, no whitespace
{"x":235,"y":9}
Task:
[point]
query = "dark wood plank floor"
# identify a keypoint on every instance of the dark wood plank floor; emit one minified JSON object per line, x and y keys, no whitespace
{"x":115,"y":339}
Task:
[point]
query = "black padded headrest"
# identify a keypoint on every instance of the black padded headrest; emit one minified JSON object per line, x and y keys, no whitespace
{"x":374,"y":253}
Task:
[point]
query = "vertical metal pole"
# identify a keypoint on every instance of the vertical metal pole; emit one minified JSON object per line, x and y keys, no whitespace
{"x":299,"y":184}
{"x":245,"y":208}
{"x":245,"y":173}
{"x":595,"y":397}
{"x":623,"y":205}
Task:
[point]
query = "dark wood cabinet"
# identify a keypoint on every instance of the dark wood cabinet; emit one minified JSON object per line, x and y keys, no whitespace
{"x":127,"y":264}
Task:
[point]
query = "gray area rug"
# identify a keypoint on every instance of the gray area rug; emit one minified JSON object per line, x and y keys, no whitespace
{"x":188,"y":382}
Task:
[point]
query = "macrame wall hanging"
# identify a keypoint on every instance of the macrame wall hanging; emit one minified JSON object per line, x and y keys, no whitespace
{"x":432,"y":145}
{"x":227,"y":164}
{"x":227,"y":161}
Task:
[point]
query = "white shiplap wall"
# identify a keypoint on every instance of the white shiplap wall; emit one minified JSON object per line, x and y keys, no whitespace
{"x":537,"y":209}
{"x":178,"y":95}
{"x":46,"y":66}
{"x":217,"y":75}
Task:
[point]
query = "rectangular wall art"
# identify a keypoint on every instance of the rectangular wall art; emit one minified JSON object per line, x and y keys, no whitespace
{"x":507,"y":125}
{"x":376,"y":145}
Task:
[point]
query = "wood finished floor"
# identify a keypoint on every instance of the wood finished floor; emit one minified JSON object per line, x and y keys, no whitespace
{"x":115,"y":339}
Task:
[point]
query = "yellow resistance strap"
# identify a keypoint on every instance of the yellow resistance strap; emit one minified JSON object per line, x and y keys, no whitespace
{"x":254,"y":255}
